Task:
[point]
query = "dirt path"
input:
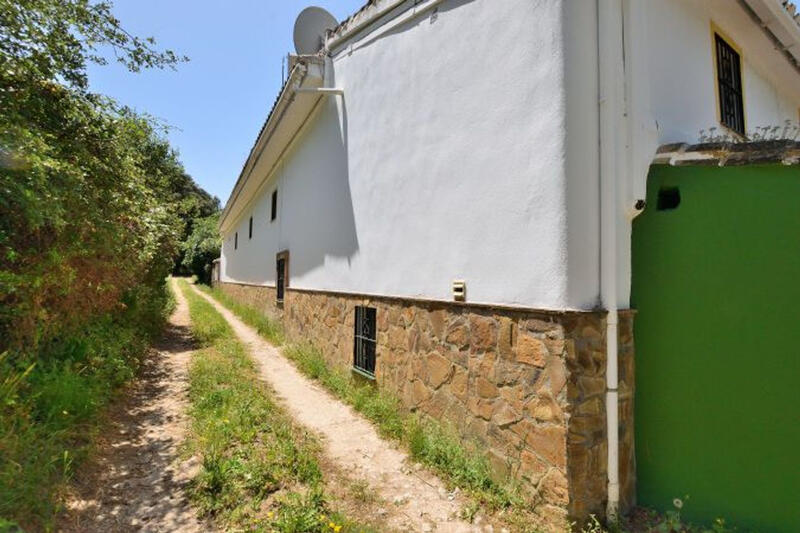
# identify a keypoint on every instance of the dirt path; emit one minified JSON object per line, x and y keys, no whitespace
{"x":417,"y":500}
{"x":136,"y":482}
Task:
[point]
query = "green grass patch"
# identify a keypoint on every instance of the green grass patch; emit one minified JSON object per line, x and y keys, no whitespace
{"x":52,"y":401}
{"x":430,"y":442}
{"x":260,"y":471}
{"x":267,"y":327}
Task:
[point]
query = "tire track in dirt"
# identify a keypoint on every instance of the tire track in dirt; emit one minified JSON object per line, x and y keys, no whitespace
{"x":135,"y":480}
{"x":418,"y":500}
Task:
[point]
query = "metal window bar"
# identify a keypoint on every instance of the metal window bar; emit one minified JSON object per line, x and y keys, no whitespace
{"x":281,"y":277}
{"x":729,"y":80}
{"x":365,"y":343}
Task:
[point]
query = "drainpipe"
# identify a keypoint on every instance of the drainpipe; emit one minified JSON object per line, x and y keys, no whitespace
{"x":612,"y":124}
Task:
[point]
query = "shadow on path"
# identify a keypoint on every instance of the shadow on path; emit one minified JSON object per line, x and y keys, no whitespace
{"x":135,"y":481}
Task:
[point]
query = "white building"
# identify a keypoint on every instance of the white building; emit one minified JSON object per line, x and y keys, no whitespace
{"x":504,"y":144}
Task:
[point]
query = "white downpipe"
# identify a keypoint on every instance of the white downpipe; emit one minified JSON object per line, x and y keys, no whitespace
{"x":611,"y":72}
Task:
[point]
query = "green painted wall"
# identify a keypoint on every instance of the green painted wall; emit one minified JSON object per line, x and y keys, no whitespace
{"x":716,"y":282}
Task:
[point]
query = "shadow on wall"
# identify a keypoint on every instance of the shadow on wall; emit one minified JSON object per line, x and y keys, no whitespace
{"x":319,"y":221}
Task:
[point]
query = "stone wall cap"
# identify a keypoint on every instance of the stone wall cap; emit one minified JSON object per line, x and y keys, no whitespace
{"x":779,"y":152}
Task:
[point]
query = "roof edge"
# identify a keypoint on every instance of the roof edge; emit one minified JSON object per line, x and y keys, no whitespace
{"x":284,"y":99}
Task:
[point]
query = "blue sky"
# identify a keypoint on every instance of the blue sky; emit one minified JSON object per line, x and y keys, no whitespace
{"x":217,"y":102}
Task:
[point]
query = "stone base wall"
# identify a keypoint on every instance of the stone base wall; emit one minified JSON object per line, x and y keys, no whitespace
{"x":528,"y":386}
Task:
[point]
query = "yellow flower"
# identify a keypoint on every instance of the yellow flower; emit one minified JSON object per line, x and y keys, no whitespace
{"x":337,"y":529}
{"x":331,"y":525}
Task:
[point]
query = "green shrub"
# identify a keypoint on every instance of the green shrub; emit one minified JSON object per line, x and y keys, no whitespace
{"x":52,"y":399}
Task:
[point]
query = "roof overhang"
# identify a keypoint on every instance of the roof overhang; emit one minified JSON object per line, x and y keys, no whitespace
{"x":778,"y":20}
{"x":289,"y":112}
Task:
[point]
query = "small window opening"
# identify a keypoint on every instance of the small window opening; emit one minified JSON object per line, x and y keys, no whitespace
{"x":365,"y":341}
{"x":281,"y":275}
{"x":274,"y":205}
{"x":668,"y":198}
{"x":729,"y":82}
{"x":250,"y":235}
{"x":236,"y":241}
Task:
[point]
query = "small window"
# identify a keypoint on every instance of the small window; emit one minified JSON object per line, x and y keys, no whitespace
{"x":281,"y":274}
{"x":250,"y":231}
{"x":729,"y":83}
{"x":364,"y":341}
{"x":236,"y":241}
{"x":274,"y":205}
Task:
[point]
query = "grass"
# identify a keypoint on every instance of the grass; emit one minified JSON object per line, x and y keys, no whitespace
{"x":430,"y":442}
{"x":266,"y":327}
{"x":52,"y":402}
{"x":260,"y":471}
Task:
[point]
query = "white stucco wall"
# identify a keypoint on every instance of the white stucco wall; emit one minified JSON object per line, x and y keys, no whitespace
{"x":670,"y":58}
{"x":683,"y":94}
{"x":444,"y":160}
{"x":466,"y":147}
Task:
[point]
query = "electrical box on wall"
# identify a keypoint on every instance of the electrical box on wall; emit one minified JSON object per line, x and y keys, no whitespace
{"x":459,"y":290}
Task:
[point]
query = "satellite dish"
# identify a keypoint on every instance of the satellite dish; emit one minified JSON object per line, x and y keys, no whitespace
{"x":310,"y":28}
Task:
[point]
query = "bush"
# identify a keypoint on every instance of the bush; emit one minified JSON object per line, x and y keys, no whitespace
{"x":50,"y":401}
{"x":201,"y":248}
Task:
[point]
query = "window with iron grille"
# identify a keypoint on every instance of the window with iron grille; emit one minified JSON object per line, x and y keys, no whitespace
{"x":364,"y":341}
{"x":729,"y":81}
{"x":236,"y":241}
{"x":282,"y":270}
{"x":274,"y":204}
{"x":250,"y":236}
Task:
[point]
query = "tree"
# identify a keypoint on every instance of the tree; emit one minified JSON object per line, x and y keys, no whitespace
{"x":202,"y":247}
{"x":91,"y":194}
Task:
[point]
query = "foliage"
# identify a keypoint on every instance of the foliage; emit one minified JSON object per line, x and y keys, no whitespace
{"x":260,"y":471}
{"x":90,"y":218}
{"x":50,"y":401}
{"x":84,"y":183}
{"x":55,"y":39}
{"x":201,"y":247}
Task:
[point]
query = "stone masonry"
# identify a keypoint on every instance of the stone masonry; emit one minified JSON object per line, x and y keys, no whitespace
{"x":527,"y":385}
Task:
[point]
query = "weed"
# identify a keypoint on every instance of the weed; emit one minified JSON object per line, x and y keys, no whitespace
{"x":268,"y":328}
{"x":430,"y":442}
{"x":259,"y":470}
{"x":51,"y":399}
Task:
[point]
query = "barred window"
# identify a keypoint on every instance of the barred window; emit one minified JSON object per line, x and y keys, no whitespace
{"x":274,"y":212}
{"x":729,"y":82}
{"x":236,"y":241}
{"x":364,"y":341}
{"x":250,"y":235}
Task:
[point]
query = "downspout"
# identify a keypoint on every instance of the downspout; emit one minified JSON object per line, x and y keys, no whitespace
{"x":611,"y":108}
